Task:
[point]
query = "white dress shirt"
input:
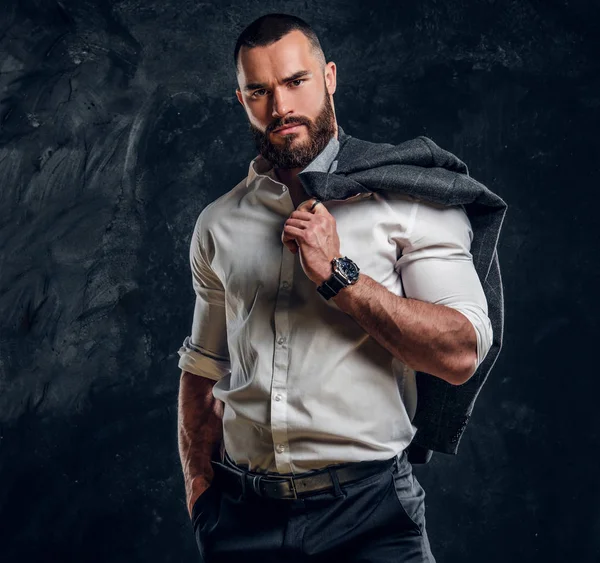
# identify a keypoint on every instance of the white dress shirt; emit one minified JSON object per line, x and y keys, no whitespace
{"x":304,"y":386}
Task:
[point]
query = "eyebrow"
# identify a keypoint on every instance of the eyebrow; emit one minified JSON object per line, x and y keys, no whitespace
{"x":295,"y":76}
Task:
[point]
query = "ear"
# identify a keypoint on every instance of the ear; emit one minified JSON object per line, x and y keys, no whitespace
{"x":331,"y":77}
{"x":240,"y":98}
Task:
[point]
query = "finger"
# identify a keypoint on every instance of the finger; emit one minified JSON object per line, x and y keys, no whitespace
{"x":295,"y":233}
{"x":290,"y":243}
{"x":320,"y":209}
{"x":306,"y":215}
{"x":306,"y":204}
{"x":300,"y":223}
{"x":292,"y":246}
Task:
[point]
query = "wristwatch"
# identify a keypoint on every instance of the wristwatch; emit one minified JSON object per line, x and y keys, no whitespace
{"x":345,"y":273}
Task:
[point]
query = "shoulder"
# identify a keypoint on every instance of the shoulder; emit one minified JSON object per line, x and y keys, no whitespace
{"x":212,"y":212}
{"x":418,"y":148}
{"x":419,"y":151}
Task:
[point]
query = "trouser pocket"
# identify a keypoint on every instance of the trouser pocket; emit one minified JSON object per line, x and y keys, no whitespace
{"x":204,"y":507}
{"x":408,"y":495}
{"x":205,"y":515}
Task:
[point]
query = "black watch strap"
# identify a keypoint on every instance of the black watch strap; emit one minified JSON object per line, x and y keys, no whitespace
{"x":331,"y":287}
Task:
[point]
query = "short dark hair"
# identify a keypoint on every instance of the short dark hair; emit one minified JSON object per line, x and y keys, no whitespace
{"x":270,"y":28}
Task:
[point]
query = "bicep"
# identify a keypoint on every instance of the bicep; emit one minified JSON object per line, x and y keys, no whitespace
{"x":205,"y":352}
{"x":436,"y":266}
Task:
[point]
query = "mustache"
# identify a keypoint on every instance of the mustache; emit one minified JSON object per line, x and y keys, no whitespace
{"x":280,"y":123}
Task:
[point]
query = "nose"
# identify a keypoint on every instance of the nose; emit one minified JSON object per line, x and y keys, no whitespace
{"x":281,"y":104}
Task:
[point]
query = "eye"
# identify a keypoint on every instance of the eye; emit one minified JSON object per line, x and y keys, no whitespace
{"x":256,"y":94}
{"x":299,"y":80}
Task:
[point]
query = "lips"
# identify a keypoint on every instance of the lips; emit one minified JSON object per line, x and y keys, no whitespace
{"x":288,"y":128}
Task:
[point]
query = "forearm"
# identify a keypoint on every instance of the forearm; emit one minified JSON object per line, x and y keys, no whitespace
{"x":426,"y":337}
{"x":200,"y":429}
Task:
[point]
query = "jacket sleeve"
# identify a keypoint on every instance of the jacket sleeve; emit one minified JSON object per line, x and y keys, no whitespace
{"x":436,"y":266}
{"x":205,"y":351}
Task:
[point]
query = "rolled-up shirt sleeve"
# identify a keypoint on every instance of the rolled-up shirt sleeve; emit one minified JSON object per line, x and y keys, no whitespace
{"x":436,"y":266}
{"x":205,"y":351}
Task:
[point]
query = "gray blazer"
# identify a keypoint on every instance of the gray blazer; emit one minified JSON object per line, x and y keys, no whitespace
{"x":420,"y":168}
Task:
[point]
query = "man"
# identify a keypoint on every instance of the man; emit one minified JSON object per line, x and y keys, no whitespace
{"x":312,"y":318}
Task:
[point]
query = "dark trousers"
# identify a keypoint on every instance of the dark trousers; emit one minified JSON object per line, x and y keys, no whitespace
{"x":377,"y":518}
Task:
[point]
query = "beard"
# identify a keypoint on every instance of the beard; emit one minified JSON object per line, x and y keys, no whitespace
{"x":286,"y":155}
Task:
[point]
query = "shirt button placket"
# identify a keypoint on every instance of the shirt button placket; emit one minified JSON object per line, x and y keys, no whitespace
{"x":279,"y":411}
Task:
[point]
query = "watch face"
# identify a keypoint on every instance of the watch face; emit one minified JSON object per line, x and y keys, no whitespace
{"x":348,"y":268}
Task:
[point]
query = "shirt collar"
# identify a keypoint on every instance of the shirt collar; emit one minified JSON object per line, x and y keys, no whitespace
{"x":325,"y":161}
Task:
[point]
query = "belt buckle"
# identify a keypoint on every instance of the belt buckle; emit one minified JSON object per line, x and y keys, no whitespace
{"x":256,"y":486}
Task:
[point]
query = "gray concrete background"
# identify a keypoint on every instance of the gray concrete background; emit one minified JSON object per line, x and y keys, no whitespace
{"x":119,"y":123}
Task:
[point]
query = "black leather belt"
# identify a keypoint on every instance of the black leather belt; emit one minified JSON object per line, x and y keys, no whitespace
{"x":285,"y":487}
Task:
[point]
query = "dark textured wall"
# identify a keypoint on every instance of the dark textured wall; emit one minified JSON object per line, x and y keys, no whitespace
{"x":119,"y":123}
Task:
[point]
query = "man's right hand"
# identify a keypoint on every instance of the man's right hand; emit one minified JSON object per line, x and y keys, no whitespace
{"x":199,"y":486}
{"x":200,"y":431}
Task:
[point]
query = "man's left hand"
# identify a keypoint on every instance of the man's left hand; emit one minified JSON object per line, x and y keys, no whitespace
{"x":314,"y":235}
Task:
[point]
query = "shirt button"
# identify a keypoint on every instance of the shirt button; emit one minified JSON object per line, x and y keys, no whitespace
{"x":280,"y":448}
{"x":278,"y":397}
{"x":285,"y":284}
{"x":284,"y":188}
{"x":281,"y":340}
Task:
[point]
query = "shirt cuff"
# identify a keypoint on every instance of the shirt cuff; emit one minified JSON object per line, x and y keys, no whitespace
{"x":194,"y":359}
